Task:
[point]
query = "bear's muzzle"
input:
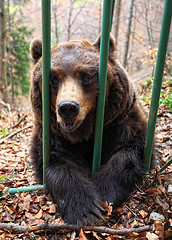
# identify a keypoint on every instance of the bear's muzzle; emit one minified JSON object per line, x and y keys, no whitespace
{"x":68,"y":110}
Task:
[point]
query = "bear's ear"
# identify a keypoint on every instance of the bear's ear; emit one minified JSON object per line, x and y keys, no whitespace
{"x":112,"y":43}
{"x":36,"y":50}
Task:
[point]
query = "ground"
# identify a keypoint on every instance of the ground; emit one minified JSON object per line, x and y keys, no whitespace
{"x":32,"y":208}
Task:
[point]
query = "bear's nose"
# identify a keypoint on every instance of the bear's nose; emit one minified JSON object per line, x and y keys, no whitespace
{"x":68,"y":109}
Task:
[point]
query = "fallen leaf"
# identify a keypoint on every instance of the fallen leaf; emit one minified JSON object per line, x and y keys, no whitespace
{"x":152,"y":191}
{"x":18,"y":184}
{"x":163,"y":204}
{"x":168,"y":233}
{"x":143,"y":213}
{"x":39,"y":214}
{"x":108,"y":208}
{"x":52,"y":209}
{"x":96,"y":236}
{"x":29,"y":215}
{"x":23,"y":162}
{"x":73,"y":235}
{"x":132,"y":235}
{"x":114,"y":237}
{"x":129,"y":214}
{"x":9,"y":210}
{"x":170,"y":221}
{"x":63,"y":238}
{"x":37,"y":221}
{"x":1,"y":187}
{"x":82,"y":235}
{"x":36,"y":199}
{"x":134,"y":223}
{"x":2,"y":237}
{"x":165,"y":139}
{"x":58,"y":220}
{"x":159,"y":229}
{"x":152,"y":236}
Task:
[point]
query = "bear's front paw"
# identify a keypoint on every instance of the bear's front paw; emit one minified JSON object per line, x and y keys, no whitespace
{"x":113,"y":193}
{"x":82,"y":211}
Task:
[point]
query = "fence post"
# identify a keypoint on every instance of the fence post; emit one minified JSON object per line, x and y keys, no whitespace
{"x":46,"y":67}
{"x":162,"y":48}
{"x":102,"y":76}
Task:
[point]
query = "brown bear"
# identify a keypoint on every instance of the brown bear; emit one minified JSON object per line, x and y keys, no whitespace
{"x":74,"y":89}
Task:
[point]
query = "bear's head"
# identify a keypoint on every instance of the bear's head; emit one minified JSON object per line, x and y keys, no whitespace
{"x":74,"y":87}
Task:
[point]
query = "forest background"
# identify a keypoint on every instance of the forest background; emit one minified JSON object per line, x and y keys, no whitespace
{"x":136,"y":27}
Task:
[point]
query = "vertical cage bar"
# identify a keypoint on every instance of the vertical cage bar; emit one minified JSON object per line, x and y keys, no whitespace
{"x":102,"y":76}
{"x":162,"y":48}
{"x":46,"y":67}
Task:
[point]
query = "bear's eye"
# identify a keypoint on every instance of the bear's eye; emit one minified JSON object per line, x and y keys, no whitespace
{"x":54,"y":81}
{"x":85,"y":79}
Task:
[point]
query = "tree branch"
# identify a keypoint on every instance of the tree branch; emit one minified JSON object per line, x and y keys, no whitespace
{"x":5,"y":104}
{"x":58,"y":226}
{"x":14,"y":133}
{"x":19,"y":121}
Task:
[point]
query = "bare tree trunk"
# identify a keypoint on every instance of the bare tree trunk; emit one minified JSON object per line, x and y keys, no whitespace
{"x":72,"y":20}
{"x":3,"y":83}
{"x":55,"y":20}
{"x":71,"y":6}
{"x":128,"y":32}
{"x":100,"y":17}
{"x":131,"y":49}
{"x":149,"y":29}
{"x":10,"y":54}
{"x":117,"y":19}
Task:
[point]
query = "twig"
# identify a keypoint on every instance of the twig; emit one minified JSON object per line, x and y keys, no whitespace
{"x":165,"y":173}
{"x":58,"y":226}
{"x":124,"y":231}
{"x":131,"y":211}
{"x":13,"y":227}
{"x":14,"y":133}
{"x":138,"y":188}
{"x":6,"y":105}
{"x":20,"y":120}
{"x":15,"y":125}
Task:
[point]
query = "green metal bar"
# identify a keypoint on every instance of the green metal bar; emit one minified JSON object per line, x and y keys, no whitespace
{"x":162,"y":48}
{"x":24,"y":189}
{"x":46,"y":67}
{"x":168,"y":163}
{"x":102,"y":76}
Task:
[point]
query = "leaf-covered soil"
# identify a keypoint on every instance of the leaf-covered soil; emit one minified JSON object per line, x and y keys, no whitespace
{"x":34,"y":207}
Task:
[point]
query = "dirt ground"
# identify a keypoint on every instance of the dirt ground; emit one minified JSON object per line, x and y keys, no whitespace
{"x":36,"y":207}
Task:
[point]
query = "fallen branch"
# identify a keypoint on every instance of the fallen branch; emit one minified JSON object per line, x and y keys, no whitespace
{"x":58,"y":226}
{"x":15,"y":125}
{"x":14,"y":133}
{"x":19,"y":121}
{"x":6,"y":105}
{"x":131,"y":210}
{"x":13,"y":227}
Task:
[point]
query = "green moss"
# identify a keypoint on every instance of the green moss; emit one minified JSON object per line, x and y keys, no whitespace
{"x":165,"y":96}
{"x":3,"y":178}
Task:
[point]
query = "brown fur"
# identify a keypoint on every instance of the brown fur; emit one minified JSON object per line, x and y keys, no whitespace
{"x":74,"y":91}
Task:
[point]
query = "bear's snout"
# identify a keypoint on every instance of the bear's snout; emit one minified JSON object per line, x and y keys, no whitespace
{"x":68,"y":109}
